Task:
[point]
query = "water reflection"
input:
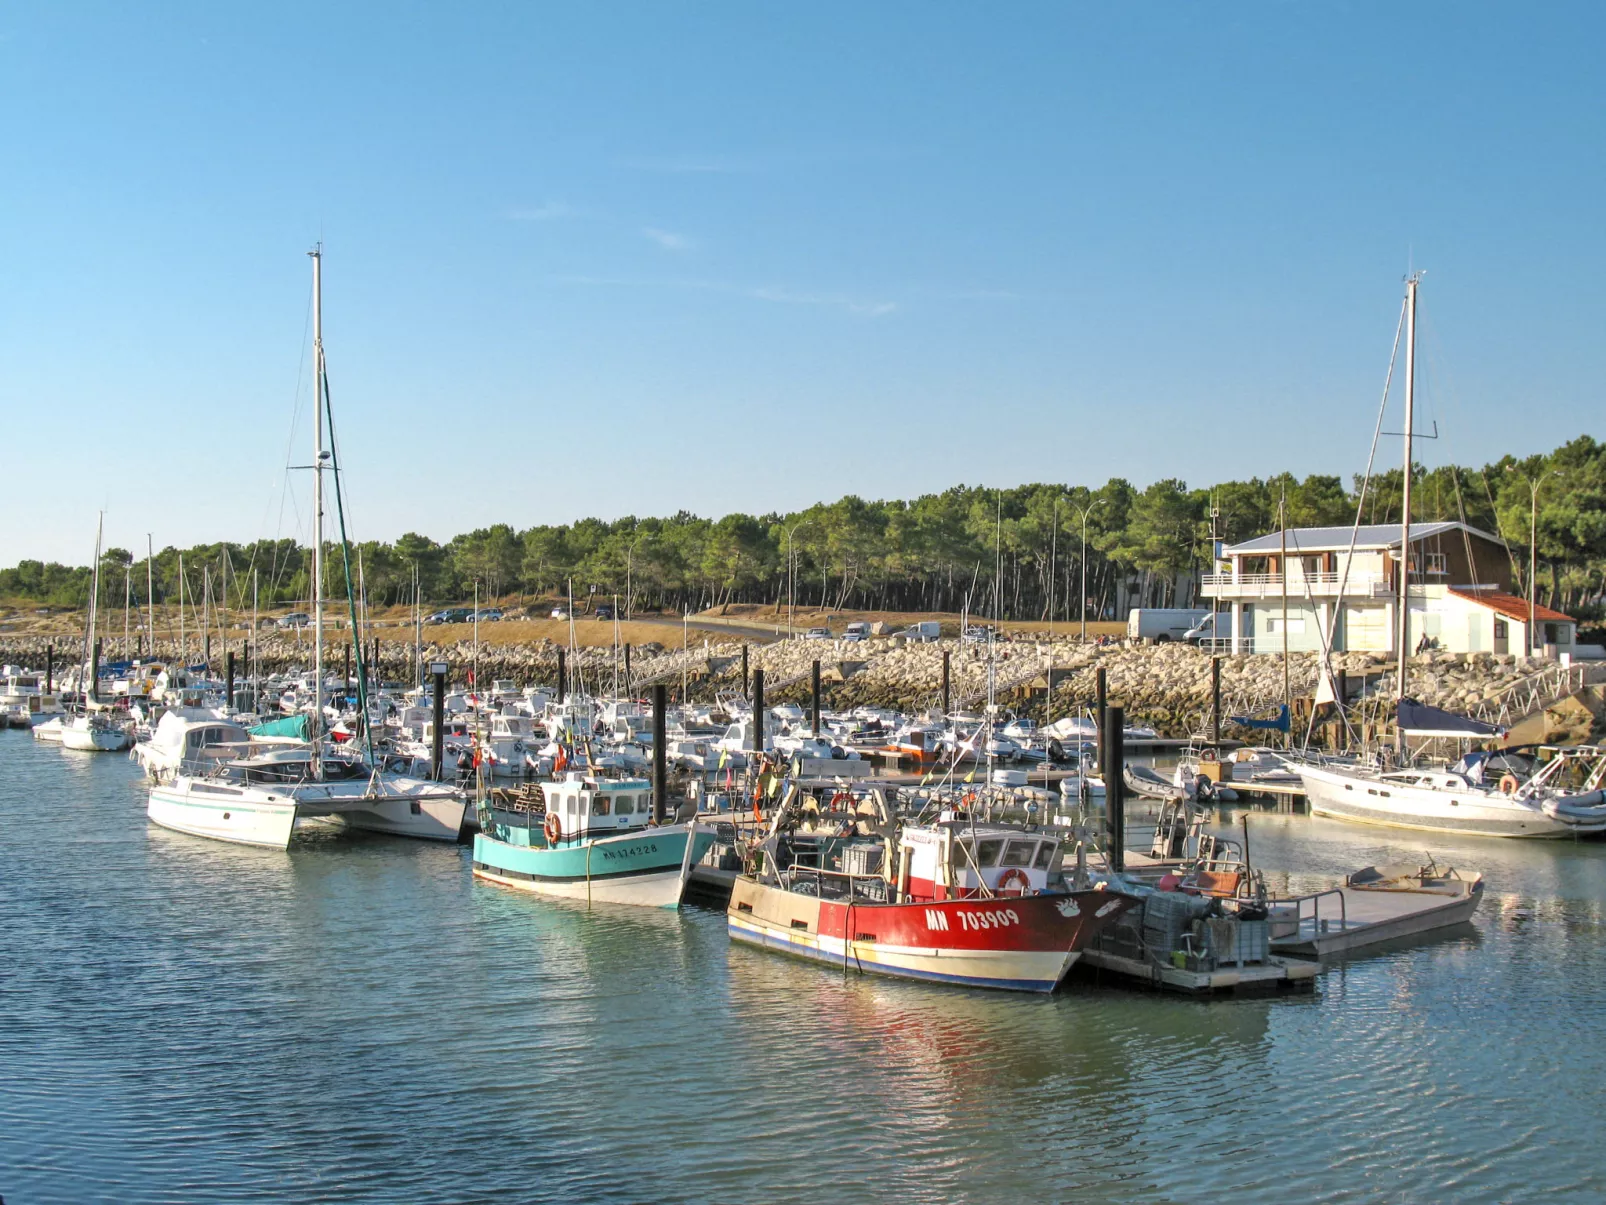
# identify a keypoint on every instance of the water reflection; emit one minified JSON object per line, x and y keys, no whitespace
{"x":358,"y":1020}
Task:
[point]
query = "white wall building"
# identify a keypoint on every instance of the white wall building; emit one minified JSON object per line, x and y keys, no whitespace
{"x":1344,"y":581}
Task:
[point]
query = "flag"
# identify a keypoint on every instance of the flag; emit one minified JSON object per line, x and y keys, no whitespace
{"x":724,"y":754}
{"x":971,"y":777}
{"x":927,"y":778}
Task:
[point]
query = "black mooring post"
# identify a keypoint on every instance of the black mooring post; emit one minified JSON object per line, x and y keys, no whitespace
{"x":660,"y":754}
{"x":1101,"y":696}
{"x":563,"y":676}
{"x":627,"y":665}
{"x":438,"y":745}
{"x":206,"y":651}
{"x":947,"y":681}
{"x":744,"y":671}
{"x":1215,"y":704}
{"x":50,"y":669}
{"x":758,"y":713}
{"x":228,"y":679}
{"x":1341,"y":689}
{"x":346,"y":669}
{"x":1115,"y":785}
{"x":814,"y":708}
{"x":94,"y":674}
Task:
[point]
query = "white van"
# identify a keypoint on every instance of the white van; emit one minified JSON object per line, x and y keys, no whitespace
{"x":1163,"y":624}
{"x":923,"y":632}
{"x":1214,"y":631}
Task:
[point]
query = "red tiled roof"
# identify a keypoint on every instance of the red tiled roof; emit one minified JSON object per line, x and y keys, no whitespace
{"x":1513,"y":607}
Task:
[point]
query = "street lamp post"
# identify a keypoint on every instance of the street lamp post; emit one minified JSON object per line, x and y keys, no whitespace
{"x":630,"y":554}
{"x":1053,"y":549}
{"x":791,"y":573}
{"x":1086,"y":510}
{"x":1533,"y":484}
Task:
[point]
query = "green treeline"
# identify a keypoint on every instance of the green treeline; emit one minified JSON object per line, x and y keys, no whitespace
{"x":1001,"y":552}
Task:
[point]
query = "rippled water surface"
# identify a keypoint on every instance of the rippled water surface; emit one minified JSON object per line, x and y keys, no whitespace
{"x":358,"y":1021}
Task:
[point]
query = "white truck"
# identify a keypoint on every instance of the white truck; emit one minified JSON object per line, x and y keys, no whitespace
{"x":1163,"y":624}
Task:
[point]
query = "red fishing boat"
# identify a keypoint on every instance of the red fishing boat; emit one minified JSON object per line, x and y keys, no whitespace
{"x":984,"y":905}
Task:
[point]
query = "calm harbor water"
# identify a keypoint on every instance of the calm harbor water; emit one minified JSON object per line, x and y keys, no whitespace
{"x":358,"y":1021}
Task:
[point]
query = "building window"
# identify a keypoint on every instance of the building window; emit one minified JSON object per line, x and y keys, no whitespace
{"x":1296,"y":625}
{"x":1438,"y":563}
{"x":1501,"y":629}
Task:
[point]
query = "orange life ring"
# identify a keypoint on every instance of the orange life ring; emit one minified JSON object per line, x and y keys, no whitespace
{"x":842,"y":797}
{"x":553,"y":828}
{"x":968,"y":799}
{"x":1014,"y":881}
{"x":1509,"y":784}
{"x":1207,"y":755}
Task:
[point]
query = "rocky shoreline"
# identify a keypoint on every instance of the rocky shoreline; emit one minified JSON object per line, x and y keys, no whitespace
{"x":1164,"y":686}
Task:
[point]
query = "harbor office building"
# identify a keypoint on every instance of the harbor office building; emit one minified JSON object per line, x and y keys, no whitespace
{"x":1347,"y":580}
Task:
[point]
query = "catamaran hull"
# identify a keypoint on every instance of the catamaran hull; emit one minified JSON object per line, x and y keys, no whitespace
{"x":1023,"y":944}
{"x":426,"y":819}
{"x":223,"y":817}
{"x":645,"y":869}
{"x":1390,"y":805}
{"x":94,"y":741}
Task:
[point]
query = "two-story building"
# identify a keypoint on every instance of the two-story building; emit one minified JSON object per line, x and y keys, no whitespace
{"x":1346,"y":581}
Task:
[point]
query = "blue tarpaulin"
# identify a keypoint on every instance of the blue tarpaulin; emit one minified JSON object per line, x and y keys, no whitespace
{"x":1278,"y":723}
{"x":297,"y":726}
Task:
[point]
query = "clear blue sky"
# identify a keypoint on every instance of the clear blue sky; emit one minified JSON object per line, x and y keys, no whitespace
{"x":610,"y":259}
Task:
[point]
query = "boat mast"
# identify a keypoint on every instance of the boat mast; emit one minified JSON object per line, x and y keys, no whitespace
{"x":93,"y":691}
{"x":1405,"y":498}
{"x":150,"y":596}
{"x":317,"y":506}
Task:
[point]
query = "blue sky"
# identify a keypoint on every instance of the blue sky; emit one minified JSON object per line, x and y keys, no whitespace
{"x":611,"y":259}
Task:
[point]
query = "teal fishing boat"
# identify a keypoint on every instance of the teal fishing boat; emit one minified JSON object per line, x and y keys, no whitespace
{"x":595,"y":840}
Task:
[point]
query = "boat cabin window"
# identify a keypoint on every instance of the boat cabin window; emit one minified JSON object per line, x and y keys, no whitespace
{"x":601,"y":806}
{"x":1045,"y":855}
{"x":987,"y":852}
{"x":625,"y":805}
{"x":1019,"y":853}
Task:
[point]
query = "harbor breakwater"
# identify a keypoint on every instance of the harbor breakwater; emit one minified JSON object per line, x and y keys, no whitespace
{"x":1167,"y":687}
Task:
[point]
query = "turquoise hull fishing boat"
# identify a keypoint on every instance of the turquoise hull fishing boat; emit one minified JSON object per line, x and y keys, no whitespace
{"x":595,"y":842}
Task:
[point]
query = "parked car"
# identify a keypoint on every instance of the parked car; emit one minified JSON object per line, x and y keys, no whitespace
{"x":296,"y":619}
{"x":604,"y":611}
{"x":924,"y":632}
{"x":560,"y":613}
{"x":855,"y":632}
{"x":490,"y":615}
{"x":451,"y":615}
{"x":818,"y":634}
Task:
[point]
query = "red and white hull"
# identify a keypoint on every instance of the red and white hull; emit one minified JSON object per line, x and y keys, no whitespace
{"x":1025,"y":943}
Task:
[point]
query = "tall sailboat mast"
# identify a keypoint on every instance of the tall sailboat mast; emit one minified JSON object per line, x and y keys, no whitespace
{"x":92,"y":691}
{"x":1405,"y":497}
{"x":317,"y":506}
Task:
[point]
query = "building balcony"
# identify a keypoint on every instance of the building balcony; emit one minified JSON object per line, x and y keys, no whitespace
{"x":1257,"y":587}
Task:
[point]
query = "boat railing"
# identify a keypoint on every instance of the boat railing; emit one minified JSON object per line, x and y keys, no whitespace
{"x":1308,"y":909}
{"x":836,"y":884}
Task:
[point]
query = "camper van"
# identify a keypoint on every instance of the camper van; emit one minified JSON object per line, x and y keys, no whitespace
{"x":1161,"y":624}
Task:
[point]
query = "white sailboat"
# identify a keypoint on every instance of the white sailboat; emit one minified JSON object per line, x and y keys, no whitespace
{"x":1458,"y":798}
{"x":262,"y":800}
{"x":93,"y":730}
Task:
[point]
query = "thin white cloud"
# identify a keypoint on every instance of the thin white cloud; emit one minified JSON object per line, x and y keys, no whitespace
{"x":549,"y":212}
{"x":853,"y":305}
{"x":667,"y":239}
{"x":702,"y":165}
{"x":863,"y":307}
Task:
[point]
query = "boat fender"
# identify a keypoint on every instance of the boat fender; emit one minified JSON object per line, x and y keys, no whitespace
{"x":1509,"y":784}
{"x":553,"y":828}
